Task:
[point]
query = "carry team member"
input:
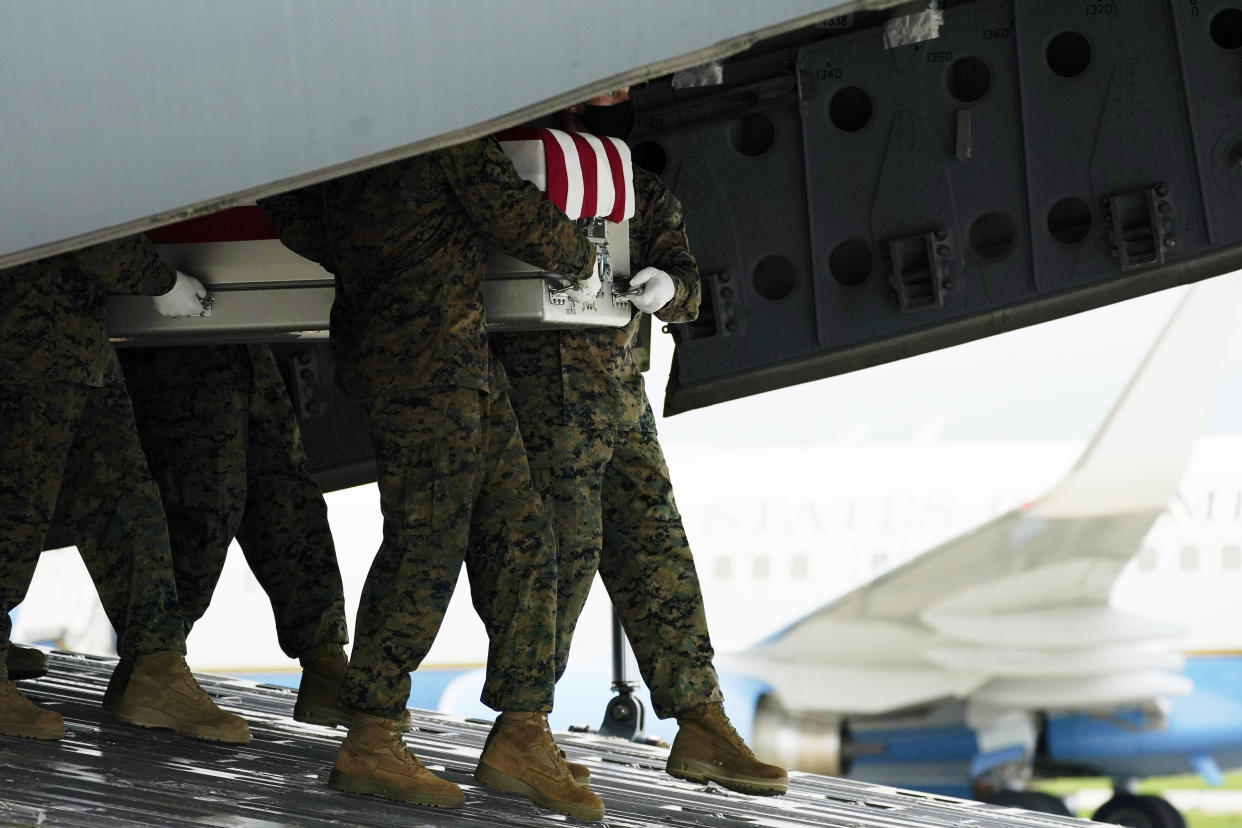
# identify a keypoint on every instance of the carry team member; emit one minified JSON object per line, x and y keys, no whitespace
{"x":68,"y":446}
{"x":223,"y":444}
{"x":407,"y":244}
{"x":591,"y":439}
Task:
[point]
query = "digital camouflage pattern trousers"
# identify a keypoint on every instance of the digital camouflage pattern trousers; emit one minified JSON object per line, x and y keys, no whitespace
{"x":224,"y":448}
{"x":70,"y":450}
{"x":454,"y":485}
{"x":613,"y":511}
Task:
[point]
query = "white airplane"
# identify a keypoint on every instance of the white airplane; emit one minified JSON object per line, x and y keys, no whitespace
{"x":967,"y":665}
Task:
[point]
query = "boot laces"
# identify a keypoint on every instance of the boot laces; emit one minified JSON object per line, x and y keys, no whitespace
{"x":730,"y":732}
{"x":191,"y":684}
{"x":397,"y":740}
{"x":558,"y":755}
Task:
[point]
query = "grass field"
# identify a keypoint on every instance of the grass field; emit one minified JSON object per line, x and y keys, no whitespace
{"x":1159,"y":786}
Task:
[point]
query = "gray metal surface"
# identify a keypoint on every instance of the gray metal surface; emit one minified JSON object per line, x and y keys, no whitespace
{"x":106,"y":774}
{"x":263,"y":291}
{"x":851,"y":204}
{"x":123,"y":115}
{"x":533,"y":304}
{"x":239,"y":314}
{"x":518,"y":297}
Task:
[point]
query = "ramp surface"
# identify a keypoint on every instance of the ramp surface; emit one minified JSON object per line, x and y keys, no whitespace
{"x":107,"y":774}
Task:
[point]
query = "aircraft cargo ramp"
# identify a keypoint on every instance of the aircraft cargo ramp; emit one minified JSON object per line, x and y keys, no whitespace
{"x":107,"y":774}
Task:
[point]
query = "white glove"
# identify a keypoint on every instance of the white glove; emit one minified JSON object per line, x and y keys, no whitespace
{"x":588,"y":289}
{"x":188,"y":297}
{"x":657,"y":289}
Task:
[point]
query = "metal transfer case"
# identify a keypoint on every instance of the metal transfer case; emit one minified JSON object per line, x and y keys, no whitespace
{"x":263,"y":291}
{"x":520,"y":297}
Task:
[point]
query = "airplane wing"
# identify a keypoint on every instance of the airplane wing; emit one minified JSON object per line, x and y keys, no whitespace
{"x":1015,"y":614}
{"x":113,"y":126}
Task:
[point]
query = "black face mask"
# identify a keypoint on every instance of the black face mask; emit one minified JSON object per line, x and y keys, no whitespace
{"x":616,"y":121}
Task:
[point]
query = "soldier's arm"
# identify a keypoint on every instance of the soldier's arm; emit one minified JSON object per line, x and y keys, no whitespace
{"x":297,"y":219}
{"x":512,"y":213}
{"x":128,"y":265}
{"x":658,"y":239}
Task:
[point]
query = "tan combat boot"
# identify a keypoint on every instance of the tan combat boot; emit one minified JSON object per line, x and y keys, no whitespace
{"x":323,"y":667}
{"x":26,"y":663}
{"x":162,"y":693}
{"x":708,"y":748}
{"x":117,"y":683}
{"x":373,"y":760}
{"x":19,"y":716}
{"x":521,"y":758}
{"x":580,"y":773}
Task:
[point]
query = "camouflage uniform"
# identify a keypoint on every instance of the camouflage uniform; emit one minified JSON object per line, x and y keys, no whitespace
{"x":223,"y":444}
{"x":591,"y":439}
{"x":69,"y":446}
{"x":407,"y":243}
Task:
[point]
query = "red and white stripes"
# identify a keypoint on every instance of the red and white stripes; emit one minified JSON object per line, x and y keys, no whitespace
{"x":584,"y":175}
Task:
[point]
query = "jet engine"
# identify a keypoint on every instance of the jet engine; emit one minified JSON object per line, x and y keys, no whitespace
{"x":806,"y":741}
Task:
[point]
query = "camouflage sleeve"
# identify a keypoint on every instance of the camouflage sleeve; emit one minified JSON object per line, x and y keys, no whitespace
{"x":128,"y":265}
{"x":658,"y":239}
{"x":512,"y":213}
{"x":297,"y":217}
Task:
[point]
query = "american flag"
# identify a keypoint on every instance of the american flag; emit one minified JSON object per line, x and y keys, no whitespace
{"x":585,"y":175}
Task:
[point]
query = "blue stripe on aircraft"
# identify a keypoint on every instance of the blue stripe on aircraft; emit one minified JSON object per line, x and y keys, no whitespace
{"x":1206,"y":723}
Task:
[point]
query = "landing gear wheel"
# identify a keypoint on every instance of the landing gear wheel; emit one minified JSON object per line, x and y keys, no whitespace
{"x":1139,"y":812}
{"x":1031,"y":801}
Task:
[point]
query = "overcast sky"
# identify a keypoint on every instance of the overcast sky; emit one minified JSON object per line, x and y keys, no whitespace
{"x":1055,"y":380}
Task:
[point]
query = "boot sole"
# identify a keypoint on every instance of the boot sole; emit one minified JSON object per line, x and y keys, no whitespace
{"x":157,"y":720}
{"x":326,"y":716}
{"x":26,"y":675}
{"x":349,"y":783}
{"x":498,"y":781}
{"x":334,"y":717}
{"x":694,"y":771}
{"x":41,"y":735}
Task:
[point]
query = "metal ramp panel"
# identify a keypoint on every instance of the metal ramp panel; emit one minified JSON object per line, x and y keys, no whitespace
{"x":107,"y":774}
